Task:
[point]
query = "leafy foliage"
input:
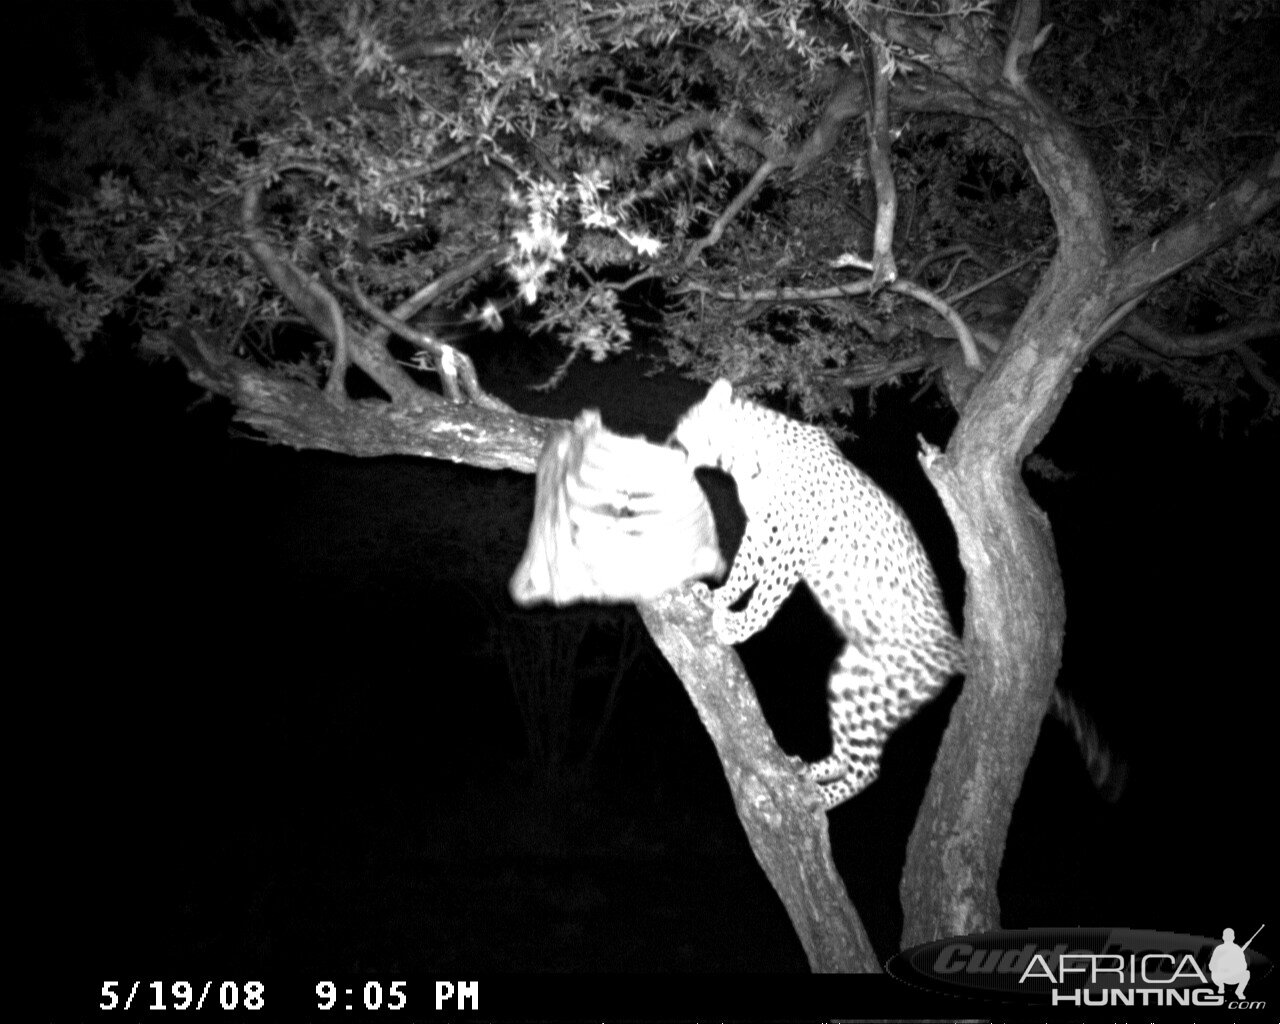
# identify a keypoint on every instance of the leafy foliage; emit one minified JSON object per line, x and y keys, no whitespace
{"x":600,"y":149}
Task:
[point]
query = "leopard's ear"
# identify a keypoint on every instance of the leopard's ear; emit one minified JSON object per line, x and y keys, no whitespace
{"x":721,"y":392}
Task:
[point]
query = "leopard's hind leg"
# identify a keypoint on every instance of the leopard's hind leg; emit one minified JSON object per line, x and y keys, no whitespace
{"x":872,"y":689}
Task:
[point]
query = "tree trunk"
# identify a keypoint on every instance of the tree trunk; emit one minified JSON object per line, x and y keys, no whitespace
{"x":789,"y":839}
{"x":1015,"y":613}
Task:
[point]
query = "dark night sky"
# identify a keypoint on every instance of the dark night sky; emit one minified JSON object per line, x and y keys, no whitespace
{"x":270,"y":697}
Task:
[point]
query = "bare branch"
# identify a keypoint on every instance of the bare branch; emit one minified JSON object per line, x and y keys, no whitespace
{"x":963,"y":251}
{"x":870,"y":373}
{"x":321,"y":310}
{"x":1255,"y":368}
{"x":880,"y":69}
{"x":902,"y":286}
{"x":336,"y":386}
{"x":1025,"y":38}
{"x":1219,"y":374}
{"x":988,"y":281}
{"x":441,"y":286}
{"x":1194,"y":346}
{"x":457,"y":372}
{"x":847,"y":100}
{"x":732,"y":210}
{"x":971,"y":357}
{"x":839,"y":291}
{"x":432,"y":168}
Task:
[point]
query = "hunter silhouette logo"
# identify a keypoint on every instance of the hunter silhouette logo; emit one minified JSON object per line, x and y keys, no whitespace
{"x":1089,"y":967}
{"x":1227,"y":966}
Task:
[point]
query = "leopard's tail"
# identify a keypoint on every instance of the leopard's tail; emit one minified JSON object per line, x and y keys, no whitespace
{"x":1108,"y":771}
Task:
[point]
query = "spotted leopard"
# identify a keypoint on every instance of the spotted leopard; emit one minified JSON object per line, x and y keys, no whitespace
{"x":813,"y":516}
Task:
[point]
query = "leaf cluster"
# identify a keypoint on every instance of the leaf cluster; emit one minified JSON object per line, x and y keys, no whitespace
{"x":597,"y":148}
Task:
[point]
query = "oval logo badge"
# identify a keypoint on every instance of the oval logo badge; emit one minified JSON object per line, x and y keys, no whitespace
{"x":1080,"y":967}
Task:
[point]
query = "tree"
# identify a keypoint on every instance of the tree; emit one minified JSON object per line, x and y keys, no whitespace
{"x":807,"y":199}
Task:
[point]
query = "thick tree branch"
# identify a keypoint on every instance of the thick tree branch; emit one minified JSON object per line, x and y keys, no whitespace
{"x":769,"y":793}
{"x":1146,"y":264}
{"x":1218,"y":374}
{"x":1015,"y":608}
{"x":1214,"y":361}
{"x":1196,"y":346}
{"x":295,"y":413}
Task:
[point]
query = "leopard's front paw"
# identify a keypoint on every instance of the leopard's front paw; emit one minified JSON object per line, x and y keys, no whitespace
{"x":727,"y":626}
{"x":814,"y":799}
{"x":701,"y":591}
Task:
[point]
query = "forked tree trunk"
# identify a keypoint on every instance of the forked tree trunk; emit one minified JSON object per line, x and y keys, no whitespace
{"x":1015,"y":616}
{"x":1015,"y":612}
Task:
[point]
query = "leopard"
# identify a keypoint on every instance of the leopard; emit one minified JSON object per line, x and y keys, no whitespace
{"x":814,"y":517}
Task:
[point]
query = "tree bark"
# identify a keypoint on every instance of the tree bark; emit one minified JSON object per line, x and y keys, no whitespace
{"x":788,"y":836}
{"x":296,"y":413}
{"x":1015,"y":612}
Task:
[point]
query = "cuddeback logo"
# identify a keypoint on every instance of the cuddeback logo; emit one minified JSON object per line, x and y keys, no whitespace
{"x":1078,"y":967}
